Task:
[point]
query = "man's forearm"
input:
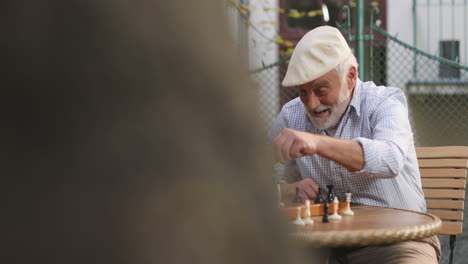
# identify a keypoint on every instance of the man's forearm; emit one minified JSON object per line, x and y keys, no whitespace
{"x":348,"y":153}
{"x":291,"y":144}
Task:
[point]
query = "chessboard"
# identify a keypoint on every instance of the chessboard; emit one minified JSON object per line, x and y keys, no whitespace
{"x":325,"y":206}
{"x":315,"y":210}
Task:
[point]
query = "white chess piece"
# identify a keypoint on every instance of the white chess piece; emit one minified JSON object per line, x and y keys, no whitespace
{"x":307,"y":220}
{"x":280,"y":204}
{"x":298,"y":220}
{"x":348,"y":211}
{"x":335,"y":217}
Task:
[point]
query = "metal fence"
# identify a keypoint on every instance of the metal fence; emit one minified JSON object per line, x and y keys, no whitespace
{"x":441,"y":20}
{"x":436,"y":89}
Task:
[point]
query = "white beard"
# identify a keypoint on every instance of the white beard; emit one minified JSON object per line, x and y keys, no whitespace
{"x":336,"y":112}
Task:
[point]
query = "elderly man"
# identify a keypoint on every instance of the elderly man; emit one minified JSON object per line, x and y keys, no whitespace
{"x":353,"y":135}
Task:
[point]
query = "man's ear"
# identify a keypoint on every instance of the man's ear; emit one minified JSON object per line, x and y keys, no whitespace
{"x":351,"y":77}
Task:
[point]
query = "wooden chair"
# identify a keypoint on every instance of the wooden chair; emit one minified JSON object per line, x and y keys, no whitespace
{"x":443,"y":172}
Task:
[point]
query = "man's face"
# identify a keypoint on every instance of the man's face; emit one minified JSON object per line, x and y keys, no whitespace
{"x":325,"y":99}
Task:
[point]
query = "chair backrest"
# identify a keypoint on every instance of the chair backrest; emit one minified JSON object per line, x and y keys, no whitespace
{"x":443,"y":172}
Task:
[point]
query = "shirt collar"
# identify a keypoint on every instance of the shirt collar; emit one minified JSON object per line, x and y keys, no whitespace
{"x":356,"y":100}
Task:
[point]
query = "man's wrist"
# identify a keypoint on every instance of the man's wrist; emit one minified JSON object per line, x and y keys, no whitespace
{"x":321,"y":144}
{"x":285,"y":191}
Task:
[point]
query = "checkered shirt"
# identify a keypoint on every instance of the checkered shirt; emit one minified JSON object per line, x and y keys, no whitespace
{"x":377,"y":118}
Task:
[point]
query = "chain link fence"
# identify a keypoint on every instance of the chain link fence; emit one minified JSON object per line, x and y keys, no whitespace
{"x":436,"y":89}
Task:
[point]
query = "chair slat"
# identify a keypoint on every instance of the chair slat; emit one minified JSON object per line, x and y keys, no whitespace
{"x":447,"y":215}
{"x":444,"y":183}
{"x":445,"y":204}
{"x":442,"y":152}
{"x":444,"y":194}
{"x":443,"y":173}
{"x":451,"y":228}
{"x":443,"y":163}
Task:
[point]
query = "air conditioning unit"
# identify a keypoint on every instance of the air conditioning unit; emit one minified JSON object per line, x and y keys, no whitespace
{"x":449,"y":49}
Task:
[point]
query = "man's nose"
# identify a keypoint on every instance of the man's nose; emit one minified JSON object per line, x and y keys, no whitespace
{"x":312,"y":101}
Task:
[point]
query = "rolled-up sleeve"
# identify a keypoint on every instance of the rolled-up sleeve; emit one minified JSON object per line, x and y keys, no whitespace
{"x":386,"y":151}
{"x":288,"y":172}
{"x":280,"y":123}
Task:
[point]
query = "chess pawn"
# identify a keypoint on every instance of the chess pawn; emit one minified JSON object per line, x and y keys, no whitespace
{"x":280,"y":203}
{"x":325,"y":212}
{"x":319,"y":199}
{"x":307,"y":219}
{"x":298,"y":220}
{"x":297,"y":197}
{"x":330,"y":193}
{"x":335,"y":217}
{"x":348,"y":211}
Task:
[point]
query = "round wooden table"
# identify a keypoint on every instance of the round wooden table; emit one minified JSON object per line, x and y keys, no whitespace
{"x":370,"y":225}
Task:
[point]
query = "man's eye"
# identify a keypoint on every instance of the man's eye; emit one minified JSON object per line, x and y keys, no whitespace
{"x":320,"y":92}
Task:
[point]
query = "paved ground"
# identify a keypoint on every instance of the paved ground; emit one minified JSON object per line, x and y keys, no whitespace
{"x":461,"y":247}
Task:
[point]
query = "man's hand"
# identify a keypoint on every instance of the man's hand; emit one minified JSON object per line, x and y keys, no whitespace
{"x":308,"y":190}
{"x":291,"y":144}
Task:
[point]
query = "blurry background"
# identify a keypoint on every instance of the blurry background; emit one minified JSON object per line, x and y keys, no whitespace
{"x":129,"y":134}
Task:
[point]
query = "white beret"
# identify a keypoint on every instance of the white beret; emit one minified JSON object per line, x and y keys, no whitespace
{"x":318,"y":52}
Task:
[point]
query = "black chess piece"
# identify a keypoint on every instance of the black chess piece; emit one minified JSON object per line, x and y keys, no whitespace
{"x":325,"y":213}
{"x":330,"y":195}
{"x":319,"y":199}
{"x":297,"y":197}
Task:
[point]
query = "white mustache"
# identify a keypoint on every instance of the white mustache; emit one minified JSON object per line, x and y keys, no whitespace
{"x":320,"y":109}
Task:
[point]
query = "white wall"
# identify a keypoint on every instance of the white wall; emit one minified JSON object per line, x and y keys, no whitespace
{"x":400,"y":24}
{"x":237,"y":28}
{"x":258,"y":40}
{"x":438,"y":22}
{"x":434,"y":23}
{"x":400,"y":19}
{"x":442,"y":23}
{"x":264,"y":51}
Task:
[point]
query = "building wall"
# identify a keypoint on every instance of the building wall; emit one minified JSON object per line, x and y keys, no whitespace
{"x":431,"y":120}
{"x":440,"y":20}
{"x":264,"y":51}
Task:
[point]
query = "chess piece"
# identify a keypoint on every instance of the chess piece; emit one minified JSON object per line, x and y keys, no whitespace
{"x":297,"y":197}
{"x":319,"y":199}
{"x":280,"y":203}
{"x":307,"y":219}
{"x":330,"y":193}
{"x":325,"y":212}
{"x":335,"y":217}
{"x":298,"y":220}
{"x":348,"y":211}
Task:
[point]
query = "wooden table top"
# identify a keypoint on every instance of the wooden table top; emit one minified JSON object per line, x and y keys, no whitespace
{"x":370,"y":225}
